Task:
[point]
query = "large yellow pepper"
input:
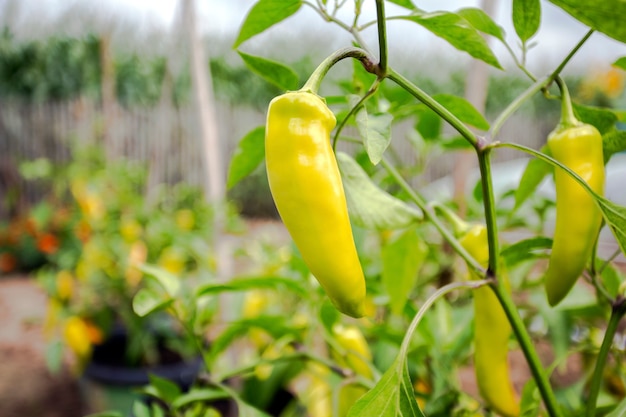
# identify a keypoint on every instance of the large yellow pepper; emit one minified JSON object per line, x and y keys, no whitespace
{"x":492,"y":331}
{"x":306,"y":186}
{"x":578,"y":218}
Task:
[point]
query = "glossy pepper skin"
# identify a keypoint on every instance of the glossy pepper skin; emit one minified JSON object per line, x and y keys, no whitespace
{"x":306,"y":187}
{"x":491,"y":334}
{"x":578,"y":218}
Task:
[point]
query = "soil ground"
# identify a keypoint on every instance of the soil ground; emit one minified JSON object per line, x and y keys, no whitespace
{"x":27,"y":387}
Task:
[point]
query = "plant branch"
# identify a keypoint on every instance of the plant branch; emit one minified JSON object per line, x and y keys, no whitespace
{"x":434,"y":106}
{"x":382,"y":35}
{"x":354,"y":110}
{"x":430,"y":215}
{"x":527,"y":346}
{"x":571,"y":54}
{"x":617,"y":312}
{"x":489,"y":202}
{"x":517,"y":103}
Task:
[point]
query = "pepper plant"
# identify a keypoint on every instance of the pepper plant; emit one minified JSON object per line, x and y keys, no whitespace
{"x":407,"y":246}
{"x":576,"y":153}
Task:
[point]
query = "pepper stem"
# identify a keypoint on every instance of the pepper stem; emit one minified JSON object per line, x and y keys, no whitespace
{"x":314,"y":81}
{"x":568,"y":119}
{"x":459,"y":226}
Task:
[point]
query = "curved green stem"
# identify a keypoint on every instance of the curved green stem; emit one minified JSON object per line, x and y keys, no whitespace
{"x":408,"y":336}
{"x":434,"y":106}
{"x":432,"y":217}
{"x":619,"y":308}
{"x":549,"y":160}
{"x":528,"y":348}
{"x":314,"y":81}
{"x":353,"y":111}
{"x":568,"y":119}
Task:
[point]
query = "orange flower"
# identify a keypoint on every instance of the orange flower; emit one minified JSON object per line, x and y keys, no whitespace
{"x":48,"y":243}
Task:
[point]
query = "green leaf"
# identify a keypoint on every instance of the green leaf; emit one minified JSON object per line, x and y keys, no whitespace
{"x":482,"y":22}
{"x":246,"y":410}
{"x":407,"y":4}
{"x":613,"y":142}
{"x":199,"y":394}
{"x":615,"y":216}
{"x":526,"y":18}
{"x":402,"y":260}
{"x":248,"y":155}
{"x":148,"y":301}
{"x":244,"y":284}
{"x":530,"y":401}
{"x":619,"y":411}
{"x":369,"y":206}
{"x":458,"y":32}
{"x":536,"y":170}
{"x":606,"y":16}
{"x":168,"y":281}
{"x":265,"y":14}
{"x":393,"y":395}
{"x":603,"y":119}
{"x":106,"y":414}
{"x":140,"y":409}
{"x":375,"y":131}
{"x":429,"y":124}
{"x":620,"y":63}
{"x":165,"y":389}
{"x":276,"y":326}
{"x":273,"y":72}
{"x":462,"y":109}
{"x":525,"y":249}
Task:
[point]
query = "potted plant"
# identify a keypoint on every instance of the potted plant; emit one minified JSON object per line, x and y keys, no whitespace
{"x":91,"y":287}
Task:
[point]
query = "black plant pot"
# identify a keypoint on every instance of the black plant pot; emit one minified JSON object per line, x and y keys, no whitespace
{"x":110,"y":385}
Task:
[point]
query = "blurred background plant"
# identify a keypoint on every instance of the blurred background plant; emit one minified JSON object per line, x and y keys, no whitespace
{"x":92,"y":233}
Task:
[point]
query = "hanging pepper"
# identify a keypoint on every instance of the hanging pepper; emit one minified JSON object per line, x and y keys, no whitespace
{"x":491,"y":333}
{"x":578,"y":219}
{"x":306,"y":186}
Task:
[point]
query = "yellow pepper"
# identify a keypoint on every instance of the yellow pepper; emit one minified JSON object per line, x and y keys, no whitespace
{"x":306,"y":186}
{"x":578,"y":218}
{"x":357,"y":352}
{"x":491,"y":334}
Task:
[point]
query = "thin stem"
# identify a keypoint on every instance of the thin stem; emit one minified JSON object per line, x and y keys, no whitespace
{"x":595,"y":275}
{"x":430,"y":215}
{"x":434,"y":106}
{"x":608,"y":261}
{"x":314,"y":81}
{"x":382,"y":35}
{"x":528,"y":348}
{"x":596,"y":380}
{"x":571,"y":54}
{"x":353,"y":111}
{"x":518,"y":63}
{"x":490,"y":208}
{"x":430,"y":301}
{"x":354,"y":31}
{"x":517,"y":103}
